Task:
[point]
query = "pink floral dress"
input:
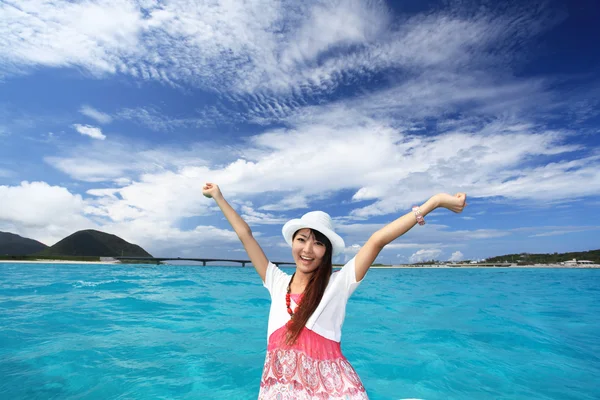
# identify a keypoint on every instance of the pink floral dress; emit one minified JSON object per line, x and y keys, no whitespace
{"x":313,"y":368}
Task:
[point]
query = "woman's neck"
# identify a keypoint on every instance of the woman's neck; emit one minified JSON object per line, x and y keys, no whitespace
{"x":300,"y":282}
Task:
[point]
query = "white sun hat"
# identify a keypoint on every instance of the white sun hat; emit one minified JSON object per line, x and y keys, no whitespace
{"x":319,"y":221}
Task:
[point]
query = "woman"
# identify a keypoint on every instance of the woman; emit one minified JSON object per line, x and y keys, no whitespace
{"x":304,"y":358}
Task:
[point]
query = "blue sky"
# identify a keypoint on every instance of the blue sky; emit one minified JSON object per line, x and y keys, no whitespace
{"x":114,"y":113}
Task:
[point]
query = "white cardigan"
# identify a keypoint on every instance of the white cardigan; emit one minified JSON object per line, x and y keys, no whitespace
{"x":328,"y":318}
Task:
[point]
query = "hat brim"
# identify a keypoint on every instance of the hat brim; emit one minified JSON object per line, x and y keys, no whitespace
{"x":294,"y":225}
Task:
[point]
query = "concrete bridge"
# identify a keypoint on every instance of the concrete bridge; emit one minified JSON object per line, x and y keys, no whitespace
{"x":202,"y":260}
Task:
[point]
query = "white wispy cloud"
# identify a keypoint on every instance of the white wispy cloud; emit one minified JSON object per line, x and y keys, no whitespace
{"x":65,"y":34}
{"x":98,"y":116}
{"x":254,"y":217}
{"x":480,"y":234}
{"x":398,"y":246}
{"x":289,"y":202}
{"x":431,"y":236}
{"x":115,"y":162}
{"x":566,"y":230}
{"x":268,"y":59}
{"x":152,"y":118}
{"x":317,"y":160}
{"x":257,"y":46}
{"x":91,"y":131}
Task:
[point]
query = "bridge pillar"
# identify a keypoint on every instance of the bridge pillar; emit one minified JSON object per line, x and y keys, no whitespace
{"x":204,"y":263}
{"x":243,"y":264}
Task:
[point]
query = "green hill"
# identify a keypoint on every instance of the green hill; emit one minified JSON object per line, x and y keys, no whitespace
{"x":592,"y":255}
{"x":94,"y":243}
{"x":15,"y":245}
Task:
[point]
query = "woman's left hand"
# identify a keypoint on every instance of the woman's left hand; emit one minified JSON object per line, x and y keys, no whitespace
{"x":454,"y":203}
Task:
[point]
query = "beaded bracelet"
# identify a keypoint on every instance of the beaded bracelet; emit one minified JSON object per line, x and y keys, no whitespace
{"x":417,"y":212}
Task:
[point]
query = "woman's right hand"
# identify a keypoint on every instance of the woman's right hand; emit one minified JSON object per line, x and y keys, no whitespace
{"x":211,"y":190}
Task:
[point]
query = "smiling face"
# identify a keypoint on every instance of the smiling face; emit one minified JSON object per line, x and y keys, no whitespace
{"x":307,"y":250}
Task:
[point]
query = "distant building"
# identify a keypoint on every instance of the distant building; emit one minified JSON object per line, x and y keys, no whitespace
{"x":575,"y":261}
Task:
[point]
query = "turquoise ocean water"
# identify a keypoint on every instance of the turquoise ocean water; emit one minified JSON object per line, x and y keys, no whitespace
{"x":177,"y":332}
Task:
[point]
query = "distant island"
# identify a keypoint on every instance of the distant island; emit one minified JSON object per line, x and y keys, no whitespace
{"x":522,"y":259}
{"x":15,"y":245}
{"x":85,"y":245}
{"x":554,"y":258}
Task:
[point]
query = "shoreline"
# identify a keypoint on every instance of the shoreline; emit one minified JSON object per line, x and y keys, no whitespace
{"x":576,"y":266}
{"x":445,"y":266}
{"x":57,"y":262}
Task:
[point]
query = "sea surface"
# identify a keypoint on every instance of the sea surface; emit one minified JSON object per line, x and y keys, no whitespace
{"x":180,"y":332}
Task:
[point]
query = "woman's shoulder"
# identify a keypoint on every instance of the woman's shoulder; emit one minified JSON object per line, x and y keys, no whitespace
{"x":275,"y":277}
{"x":278,"y":273}
{"x":341,"y":272}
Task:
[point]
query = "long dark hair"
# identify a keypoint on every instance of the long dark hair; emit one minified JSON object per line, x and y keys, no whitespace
{"x":313,"y":293}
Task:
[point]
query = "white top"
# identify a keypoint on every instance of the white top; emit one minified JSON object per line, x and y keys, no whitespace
{"x":328,"y":318}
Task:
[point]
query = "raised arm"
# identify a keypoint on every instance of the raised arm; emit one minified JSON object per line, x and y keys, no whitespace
{"x":241,"y":228}
{"x":369,"y":252}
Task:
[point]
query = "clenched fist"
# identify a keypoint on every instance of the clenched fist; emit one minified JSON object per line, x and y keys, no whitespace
{"x":211,"y":190}
{"x":454,"y":203}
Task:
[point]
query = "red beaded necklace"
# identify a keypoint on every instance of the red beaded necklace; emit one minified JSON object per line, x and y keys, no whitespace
{"x":288,"y":296}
